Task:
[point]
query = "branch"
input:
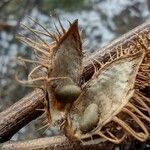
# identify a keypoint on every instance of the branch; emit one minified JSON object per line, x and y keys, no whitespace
{"x":6,"y":26}
{"x":24,"y":111}
{"x":55,"y":142}
{"x":20,"y":114}
{"x":125,"y":40}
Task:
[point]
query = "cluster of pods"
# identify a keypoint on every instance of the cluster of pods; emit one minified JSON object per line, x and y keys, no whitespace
{"x":111,"y":105}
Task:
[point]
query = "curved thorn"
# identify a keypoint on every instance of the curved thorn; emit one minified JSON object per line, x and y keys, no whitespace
{"x":140,"y":136}
{"x":33,"y":70}
{"x":110,"y":57}
{"x":141,"y":102}
{"x":116,"y":141}
{"x":138,"y":111}
{"x":137,"y":120}
{"x":141,"y":43}
{"x":140,"y":107}
{"x":144,"y":98}
{"x":114,"y":137}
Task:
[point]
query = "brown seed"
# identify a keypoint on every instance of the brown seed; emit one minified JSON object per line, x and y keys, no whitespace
{"x":90,"y":118}
{"x":67,"y":93}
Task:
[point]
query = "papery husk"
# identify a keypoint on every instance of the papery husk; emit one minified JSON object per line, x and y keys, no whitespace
{"x":133,"y":117}
{"x":56,"y":65}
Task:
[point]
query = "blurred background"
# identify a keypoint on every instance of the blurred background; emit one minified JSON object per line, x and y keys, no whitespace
{"x":100,"y":21}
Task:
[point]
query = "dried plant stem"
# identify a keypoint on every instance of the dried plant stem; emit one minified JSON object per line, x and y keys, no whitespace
{"x":56,"y":142}
{"x":127,"y":41}
{"x":20,"y":114}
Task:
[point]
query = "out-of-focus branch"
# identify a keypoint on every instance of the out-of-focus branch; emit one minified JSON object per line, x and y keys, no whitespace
{"x":24,"y":111}
{"x":6,"y":26}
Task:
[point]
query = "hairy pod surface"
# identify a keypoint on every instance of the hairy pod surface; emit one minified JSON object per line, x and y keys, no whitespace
{"x":58,"y":67}
{"x":67,"y":66}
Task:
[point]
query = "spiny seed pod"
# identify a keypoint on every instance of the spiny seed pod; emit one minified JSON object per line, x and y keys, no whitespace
{"x":67,"y":66}
{"x":111,"y":105}
{"x":58,"y":66}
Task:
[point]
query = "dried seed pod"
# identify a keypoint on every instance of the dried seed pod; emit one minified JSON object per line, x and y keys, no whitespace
{"x":111,"y":89}
{"x":67,"y":66}
{"x":110,"y":105}
{"x":58,"y":66}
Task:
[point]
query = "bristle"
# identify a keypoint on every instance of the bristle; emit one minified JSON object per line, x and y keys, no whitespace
{"x":58,"y":32}
{"x":43,"y":110}
{"x":64,"y":31}
{"x":45,"y":126}
{"x":117,"y":53}
{"x":69,"y":23}
{"x":26,"y":27}
{"x":48,"y":33}
{"x":30,"y":81}
{"x":41,"y":32}
{"x":31,"y":43}
{"x":33,"y":61}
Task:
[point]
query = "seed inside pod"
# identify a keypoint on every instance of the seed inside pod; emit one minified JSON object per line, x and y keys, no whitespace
{"x":90,"y":118}
{"x":67,"y":93}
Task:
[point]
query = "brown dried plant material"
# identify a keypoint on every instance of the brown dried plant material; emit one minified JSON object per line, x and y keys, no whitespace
{"x":58,"y":67}
{"x":111,"y":105}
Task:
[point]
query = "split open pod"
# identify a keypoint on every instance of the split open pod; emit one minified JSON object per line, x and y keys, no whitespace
{"x":109,"y":106}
